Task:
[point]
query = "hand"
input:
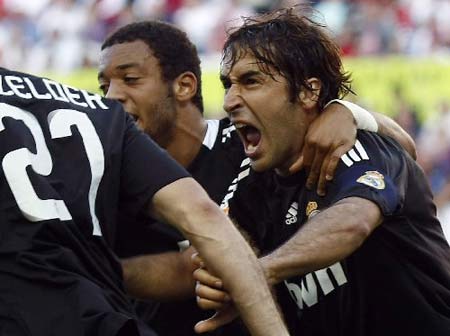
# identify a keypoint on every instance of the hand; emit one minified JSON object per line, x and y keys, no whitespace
{"x":219,"y":319}
{"x":210,"y":295}
{"x":330,"y":135}
{"x":209,"y":288}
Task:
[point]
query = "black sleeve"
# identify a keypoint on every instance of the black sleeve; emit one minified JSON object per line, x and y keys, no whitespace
{"x":146,"y":168}
{"x":374,"y":169}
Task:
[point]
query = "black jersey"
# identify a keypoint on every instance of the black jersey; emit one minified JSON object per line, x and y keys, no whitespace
{"x":220,"y":159}
{"x":396,"y":283}
{"x":69,"y":160}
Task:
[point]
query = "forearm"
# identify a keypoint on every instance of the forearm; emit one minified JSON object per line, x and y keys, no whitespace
{"x":327,"y":238}
{"x":226,"y":253}
{"x":377,"y":122}
{"x":162,"y":277}
{"x":387,"y":126}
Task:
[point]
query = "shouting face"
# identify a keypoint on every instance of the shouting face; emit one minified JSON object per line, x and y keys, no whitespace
{"x":271,"y":126}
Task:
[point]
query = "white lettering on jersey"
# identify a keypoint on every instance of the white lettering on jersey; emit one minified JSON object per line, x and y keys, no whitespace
{"x":58,"y":93}
{"x":356,"y":154}
{"x":307,"y":293}
{"x":15,"y":83}
{"x":16,"y":162}
{"x":73,"y":95}
{"x":60,"y":122}
{"x":24,"y":88}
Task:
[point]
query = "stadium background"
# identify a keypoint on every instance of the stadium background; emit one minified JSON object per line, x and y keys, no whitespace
{"x":397,"y":50}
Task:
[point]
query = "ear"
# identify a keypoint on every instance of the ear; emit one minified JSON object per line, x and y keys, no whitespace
{"x":309,"y":96}
{"x":185,"y":86}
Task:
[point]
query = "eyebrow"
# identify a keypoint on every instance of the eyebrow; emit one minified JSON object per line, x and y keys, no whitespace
{"x":242,"y":77}
{"x":120,"y":67}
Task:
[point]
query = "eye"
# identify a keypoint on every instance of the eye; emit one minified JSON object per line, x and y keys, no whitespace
{"x":226,"y":84}
{"x":104,"y":88}
{"x":130,"y":79}
{"x":250,"y":81}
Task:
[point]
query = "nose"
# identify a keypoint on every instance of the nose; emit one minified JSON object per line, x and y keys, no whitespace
{"x":115,"y":92}
{"x":232,"y":100}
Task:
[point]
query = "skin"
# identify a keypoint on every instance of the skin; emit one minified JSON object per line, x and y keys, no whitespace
{"x":129,"y":73}
{"x":323,"y":240}
{"x":247,"y":90}
{"x":186,"y":205}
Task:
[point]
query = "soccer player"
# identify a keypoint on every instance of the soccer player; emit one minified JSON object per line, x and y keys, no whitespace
{"x":369,"y":257}
{"x":154,"y":71}
{"x":70,"y":161}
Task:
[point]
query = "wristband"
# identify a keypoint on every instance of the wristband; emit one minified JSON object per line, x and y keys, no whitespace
{"x":364,"y":120}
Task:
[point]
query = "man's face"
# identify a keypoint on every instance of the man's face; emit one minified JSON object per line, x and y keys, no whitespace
{"x":129,"y":73}
{"x":271,"y":127}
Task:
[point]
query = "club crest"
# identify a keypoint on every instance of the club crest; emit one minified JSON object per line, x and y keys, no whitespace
{"x":311,"y":209}
{"x":372,"y":179}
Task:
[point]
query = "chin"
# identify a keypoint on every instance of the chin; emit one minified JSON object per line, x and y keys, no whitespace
{"x":260,"y":166}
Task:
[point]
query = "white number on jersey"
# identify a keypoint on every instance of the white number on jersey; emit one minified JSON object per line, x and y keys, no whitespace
{"x":15,"y":163}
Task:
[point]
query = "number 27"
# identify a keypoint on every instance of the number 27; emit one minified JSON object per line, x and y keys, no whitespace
{"x":15,"y":162}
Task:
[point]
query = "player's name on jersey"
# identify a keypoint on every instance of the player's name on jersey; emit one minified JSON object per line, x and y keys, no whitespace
{"x":25,"y":88}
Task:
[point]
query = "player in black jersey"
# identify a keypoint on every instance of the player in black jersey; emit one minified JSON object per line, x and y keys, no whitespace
{"x":70,"y":161}
{"x":153,"y":70}
{"x":369,"y":258}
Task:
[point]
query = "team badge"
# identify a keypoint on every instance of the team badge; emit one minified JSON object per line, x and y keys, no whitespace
{"x":372,"y":179}
{"x":311,"y":209}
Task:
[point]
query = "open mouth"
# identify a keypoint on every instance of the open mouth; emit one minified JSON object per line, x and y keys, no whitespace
{"x":250,"y":136}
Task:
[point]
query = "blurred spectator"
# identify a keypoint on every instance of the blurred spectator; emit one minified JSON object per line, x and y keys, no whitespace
{"x":63,"y":34}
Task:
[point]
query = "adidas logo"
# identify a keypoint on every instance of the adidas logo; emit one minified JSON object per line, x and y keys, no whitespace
{"x":356,"y":154}
{"x":291,"y":216}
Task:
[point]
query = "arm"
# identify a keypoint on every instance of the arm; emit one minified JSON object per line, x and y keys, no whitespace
{"x":325,"y":143}
{"x":164,"y":276}
{"x":387,"y":126}
{"x":186,"y":205}
{"x":327,"y":238}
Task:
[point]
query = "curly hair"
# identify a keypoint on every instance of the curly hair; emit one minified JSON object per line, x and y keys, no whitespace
{"x":170,"y":46}
{"x":297,"y":47}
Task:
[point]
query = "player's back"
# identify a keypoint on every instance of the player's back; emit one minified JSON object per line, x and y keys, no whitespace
{"x":57,"y":144}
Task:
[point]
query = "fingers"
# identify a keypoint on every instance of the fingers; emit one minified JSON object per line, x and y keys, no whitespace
{"x":203,"y":276}
{"x":197,"y":260}
{"x":329,"y":166}
{"x":321,"y":184}
{"x":316,"y":167}
{"x":296,"y":166}
{"x":211,"y":298}
{"x":219,"y":319}
{"x":308,"y":152}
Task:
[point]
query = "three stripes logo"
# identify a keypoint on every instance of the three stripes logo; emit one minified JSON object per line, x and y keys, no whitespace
{"x":245,"y":171}
{"x":356,"y":154}
{"x":226,"y":133}
{"x":291,"y":216}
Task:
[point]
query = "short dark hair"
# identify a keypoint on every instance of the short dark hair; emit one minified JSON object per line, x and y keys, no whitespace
{"x":170,"y":45}
{"x":293,"y":44}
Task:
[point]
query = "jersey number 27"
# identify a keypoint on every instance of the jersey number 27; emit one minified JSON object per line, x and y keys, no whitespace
{"x":14,"y":163}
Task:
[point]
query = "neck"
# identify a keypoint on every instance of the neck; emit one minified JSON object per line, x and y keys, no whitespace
{"x":189,"y":132}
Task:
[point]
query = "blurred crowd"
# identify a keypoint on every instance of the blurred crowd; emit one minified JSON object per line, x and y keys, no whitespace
{"x":63,"y":35}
